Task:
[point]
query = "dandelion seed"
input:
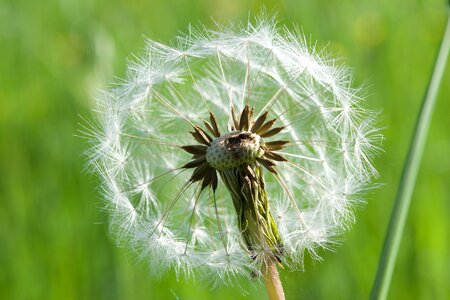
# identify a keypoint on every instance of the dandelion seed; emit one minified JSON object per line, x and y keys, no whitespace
{"x":233,"y":150}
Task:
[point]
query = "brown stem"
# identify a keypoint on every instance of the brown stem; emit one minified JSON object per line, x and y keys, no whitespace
{"x":272,"y":280}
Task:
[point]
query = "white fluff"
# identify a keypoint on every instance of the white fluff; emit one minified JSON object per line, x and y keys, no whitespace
{"x":143,"y":120}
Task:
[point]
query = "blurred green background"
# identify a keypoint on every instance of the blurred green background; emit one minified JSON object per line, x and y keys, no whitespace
{"x":55,"y":55}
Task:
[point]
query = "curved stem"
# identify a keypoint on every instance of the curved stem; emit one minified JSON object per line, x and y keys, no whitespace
{"x":400,"y":211}
{"x":273,"y":282}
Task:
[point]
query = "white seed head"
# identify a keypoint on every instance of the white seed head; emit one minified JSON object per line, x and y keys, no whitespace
{"x":158,"y":209}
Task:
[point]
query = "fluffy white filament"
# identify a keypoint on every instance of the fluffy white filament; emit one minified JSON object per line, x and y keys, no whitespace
{"x":143,"y":121}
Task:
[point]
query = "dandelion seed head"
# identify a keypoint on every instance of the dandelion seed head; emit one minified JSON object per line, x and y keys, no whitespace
{"x":194,"y":120}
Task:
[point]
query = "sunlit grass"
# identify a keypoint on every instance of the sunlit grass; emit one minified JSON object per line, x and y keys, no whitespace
{"x":409,"y":176}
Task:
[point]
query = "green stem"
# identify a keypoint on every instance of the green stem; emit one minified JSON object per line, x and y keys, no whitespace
{"x":402,"y":202}
{"x":257,"y":226}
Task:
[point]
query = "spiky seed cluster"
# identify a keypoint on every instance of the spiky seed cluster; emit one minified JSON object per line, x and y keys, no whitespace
{"x":278,"y":179}
{"x":238,"y":157}
{"x":239,"y":148}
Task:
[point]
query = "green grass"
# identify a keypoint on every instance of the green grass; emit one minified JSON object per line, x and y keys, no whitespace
{"x":407,"y":183}
{"x":55,"y":54}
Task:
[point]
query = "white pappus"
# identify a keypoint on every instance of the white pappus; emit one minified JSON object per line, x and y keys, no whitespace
{"x":251,"y":83}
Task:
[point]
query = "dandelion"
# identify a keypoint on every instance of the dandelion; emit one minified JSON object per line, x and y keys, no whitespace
{"x":233,"y":151}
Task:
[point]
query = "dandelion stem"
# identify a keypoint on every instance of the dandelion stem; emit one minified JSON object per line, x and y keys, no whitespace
{"x":273,"y":282}
{"x":400,"y":211}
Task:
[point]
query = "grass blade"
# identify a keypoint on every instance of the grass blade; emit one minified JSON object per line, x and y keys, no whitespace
{"x":403,"y":199}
